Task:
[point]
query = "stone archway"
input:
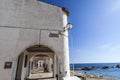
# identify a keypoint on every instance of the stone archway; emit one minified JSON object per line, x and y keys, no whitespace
{"x":41,"y":66}
{"x":31,"y":63}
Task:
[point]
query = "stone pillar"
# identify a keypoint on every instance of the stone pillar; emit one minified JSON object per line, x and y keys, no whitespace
{"x":30,"y":66}
{"x":66,"y":65}
{"x":14,"y":68}
{"x":66,"y":57}
{"x":54,"y":66}
{"x":49,"y":64}
{"x":28,"y":69}
{"x":38,"y":64}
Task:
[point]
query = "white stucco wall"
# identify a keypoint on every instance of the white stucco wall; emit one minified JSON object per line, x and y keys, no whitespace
{"x":20,"y":24}
{"x":30,"y":14}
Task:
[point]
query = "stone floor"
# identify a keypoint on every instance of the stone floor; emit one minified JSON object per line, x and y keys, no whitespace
{"x":43,"y":79}
{"x":40,"y":75}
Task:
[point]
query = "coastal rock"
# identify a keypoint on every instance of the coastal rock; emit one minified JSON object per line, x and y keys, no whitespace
{"x":105,"y":67}
{"x":118,"y":66}
{"x":87,"y":68}
{"x":112,"y":67}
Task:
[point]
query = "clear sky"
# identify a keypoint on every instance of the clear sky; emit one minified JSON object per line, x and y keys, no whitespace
{"x":95,"y":36}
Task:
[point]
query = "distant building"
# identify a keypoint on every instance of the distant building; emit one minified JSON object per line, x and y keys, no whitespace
{"x":33,"y":33}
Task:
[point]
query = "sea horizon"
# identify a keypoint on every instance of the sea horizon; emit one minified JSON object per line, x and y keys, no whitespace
{"x":93,"y":62}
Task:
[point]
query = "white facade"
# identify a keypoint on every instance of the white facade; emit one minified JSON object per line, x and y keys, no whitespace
{"x":25,"y":23}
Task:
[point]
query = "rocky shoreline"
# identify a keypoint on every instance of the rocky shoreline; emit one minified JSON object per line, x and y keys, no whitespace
{"x":83,"y":76}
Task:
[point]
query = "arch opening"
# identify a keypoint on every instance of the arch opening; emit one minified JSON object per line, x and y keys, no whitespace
{"x":36,"y":62}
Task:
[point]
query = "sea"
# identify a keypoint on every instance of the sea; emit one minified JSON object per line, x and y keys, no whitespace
{"x":111,"y":72}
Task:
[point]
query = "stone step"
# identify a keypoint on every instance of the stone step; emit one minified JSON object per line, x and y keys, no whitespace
{"x":43,"y":79}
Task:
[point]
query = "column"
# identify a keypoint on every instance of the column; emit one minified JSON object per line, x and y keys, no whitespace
{"x":66,"y":64}
{"x":65,"y":55}
{"x":54,"y":66}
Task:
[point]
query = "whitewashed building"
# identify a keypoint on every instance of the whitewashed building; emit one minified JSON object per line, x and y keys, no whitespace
{"x":33,"y":40}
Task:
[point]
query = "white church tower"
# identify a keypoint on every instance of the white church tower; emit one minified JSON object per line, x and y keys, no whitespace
{"x":33,"y":40}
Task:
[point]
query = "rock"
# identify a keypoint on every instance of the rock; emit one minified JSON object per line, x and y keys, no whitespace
{"x":81,"y":76}
{"x":118,"y":66}
{"x":72,"y":73}
{"x":112,"y":67}
{"x":105,"y":67}
{"x":87,"y":69}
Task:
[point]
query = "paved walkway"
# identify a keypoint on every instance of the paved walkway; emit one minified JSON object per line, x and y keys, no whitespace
{"x":43,"y":79}
{"x":40,"y":75}
{"x":44,"y":76}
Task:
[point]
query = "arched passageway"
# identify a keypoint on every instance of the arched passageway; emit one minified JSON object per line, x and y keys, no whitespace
{"x":37,"y":62}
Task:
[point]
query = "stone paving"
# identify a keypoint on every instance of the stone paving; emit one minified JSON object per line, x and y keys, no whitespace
{"x":36,"y":74}
{"x":43,"y":79}
{"x":40,"y":75}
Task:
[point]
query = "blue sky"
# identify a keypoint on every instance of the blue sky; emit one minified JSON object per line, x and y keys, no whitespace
{"x":95,"y":36}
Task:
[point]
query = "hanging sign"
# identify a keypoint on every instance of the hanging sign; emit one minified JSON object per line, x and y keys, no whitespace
{"x":54,"y":35}
{"x":8,"y":65}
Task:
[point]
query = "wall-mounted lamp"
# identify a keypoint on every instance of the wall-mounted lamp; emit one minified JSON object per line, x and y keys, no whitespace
{"x":68,"y":27}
